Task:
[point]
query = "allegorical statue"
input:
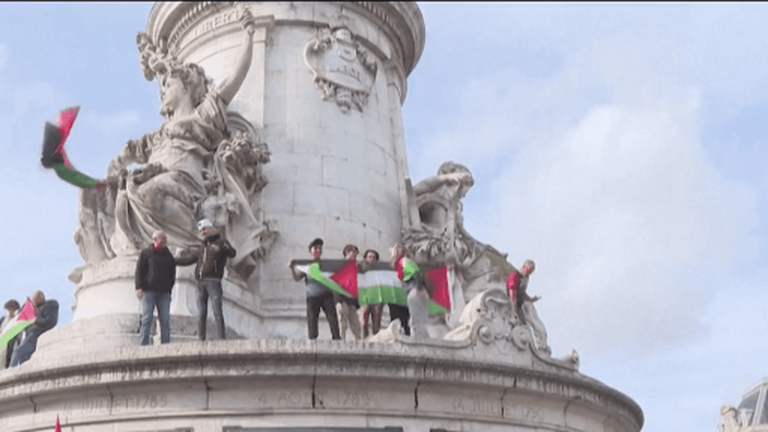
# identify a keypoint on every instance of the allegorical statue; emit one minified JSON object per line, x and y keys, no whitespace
{"x":194,"y":166}
{"x":440,"y":235}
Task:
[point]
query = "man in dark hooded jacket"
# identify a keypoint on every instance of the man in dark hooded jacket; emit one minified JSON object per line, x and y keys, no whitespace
{"x":211,"y":259}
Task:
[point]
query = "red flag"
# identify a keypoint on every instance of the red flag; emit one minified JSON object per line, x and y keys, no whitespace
{"x":25,"y":318}
{"x":346,"y":277}
{"x":441,"y":298}
{"x":58,"y":425}
{"x":27,"y":312}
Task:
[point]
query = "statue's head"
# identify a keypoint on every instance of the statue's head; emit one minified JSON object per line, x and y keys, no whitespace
{"x":454,"y":168}
{"x":192,"y":78}
{"x":157,"y":62}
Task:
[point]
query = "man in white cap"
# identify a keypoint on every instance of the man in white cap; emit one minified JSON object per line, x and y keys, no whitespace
{"x":210,"y":259}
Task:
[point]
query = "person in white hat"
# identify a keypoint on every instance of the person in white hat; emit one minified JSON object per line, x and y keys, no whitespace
{"x":210,"y":259}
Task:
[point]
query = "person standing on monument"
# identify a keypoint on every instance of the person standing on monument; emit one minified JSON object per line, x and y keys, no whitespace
{"x":210,"y":259}
{"x":346,"y":307}
{"x":523,"y":304}
{"x":318,"y":296}
{"x":371,"y":312}
{"x":517,"y":286}
{"x":47,"y":317}
{"x":409,"y":273}
{"x":155,"y":277}
{"x":12,"y":308}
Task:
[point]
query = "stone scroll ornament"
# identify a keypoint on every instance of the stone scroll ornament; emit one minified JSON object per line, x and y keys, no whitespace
{"x":342,"y":69}
{"x":203,"y":162}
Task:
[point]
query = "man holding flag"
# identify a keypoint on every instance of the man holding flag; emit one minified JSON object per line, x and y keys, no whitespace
{"x":346,"y":307}
{"x":11,"y":309}
{"x":418,"y":297}
{"x":43,"y":316}
{"x":318,"y":295}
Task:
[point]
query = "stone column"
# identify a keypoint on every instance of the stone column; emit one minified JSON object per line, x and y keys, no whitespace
{"x":325,"y":90}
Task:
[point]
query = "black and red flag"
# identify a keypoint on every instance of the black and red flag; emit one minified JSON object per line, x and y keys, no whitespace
{"x":55,"y":156}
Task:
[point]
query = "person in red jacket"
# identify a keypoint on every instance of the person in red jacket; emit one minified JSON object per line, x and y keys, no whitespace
{"x":517,"y":285}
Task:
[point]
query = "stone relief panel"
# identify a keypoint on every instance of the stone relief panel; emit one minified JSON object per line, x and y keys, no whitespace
{"x":204,"y":161}
{"x":342,"y":69}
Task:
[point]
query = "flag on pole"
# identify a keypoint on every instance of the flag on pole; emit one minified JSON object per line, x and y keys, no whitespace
{"x":54,"y":154}
{"x":25,"y":318}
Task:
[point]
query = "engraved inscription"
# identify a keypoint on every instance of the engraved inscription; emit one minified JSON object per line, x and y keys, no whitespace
{"x":139,"y":403}
{"x":526,"y":412}
{"x":350,"y":399}
{"x":289,"y":398}
{"x":215,"y":22}
{"x":476,"y":406}
{"x":117,"y":405}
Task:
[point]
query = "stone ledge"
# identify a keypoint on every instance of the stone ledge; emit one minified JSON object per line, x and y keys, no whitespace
{"x":320,"y":374}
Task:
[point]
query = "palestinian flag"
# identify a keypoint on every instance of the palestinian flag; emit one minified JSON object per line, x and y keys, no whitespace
{"x":55,"y":156}
{"x":379,"y":284}
{"x":436,"y":278}
{"x":25,"y":318}
{"x":440,"y":302}
{"x":406,"y":269}
{"x":339,"y":276}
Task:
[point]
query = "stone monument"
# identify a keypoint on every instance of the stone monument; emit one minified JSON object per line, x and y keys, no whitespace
{"x":282,"y":123}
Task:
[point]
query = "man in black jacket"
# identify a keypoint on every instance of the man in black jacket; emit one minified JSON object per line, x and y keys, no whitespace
{"x":47,"y":317}
{"x":155,"y":276}
{"x":210,"y":259}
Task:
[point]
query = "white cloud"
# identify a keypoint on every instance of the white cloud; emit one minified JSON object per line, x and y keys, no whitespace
{"x":599,"y":173}
{"x":615,"y":212}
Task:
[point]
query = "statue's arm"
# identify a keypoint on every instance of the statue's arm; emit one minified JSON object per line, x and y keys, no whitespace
{"x":232,"y":84}
{"x":134,"y":151}
{"x":429,"y":184}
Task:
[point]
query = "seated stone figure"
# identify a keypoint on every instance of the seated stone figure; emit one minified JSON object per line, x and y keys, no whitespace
{"x":203,"y":162}
{"x":437,"y":235}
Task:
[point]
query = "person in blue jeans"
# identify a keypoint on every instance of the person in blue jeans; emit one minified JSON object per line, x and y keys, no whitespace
{"x":47,"y":318}
{"x":155,"y":276}
{"x":211,"y":259}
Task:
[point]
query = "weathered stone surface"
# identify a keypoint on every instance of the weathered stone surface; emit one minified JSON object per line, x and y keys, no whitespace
{"x":357,"y":383}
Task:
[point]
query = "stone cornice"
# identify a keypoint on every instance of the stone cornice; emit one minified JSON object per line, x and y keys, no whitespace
{"x":401,"y":21}
{"x":254,"y":361}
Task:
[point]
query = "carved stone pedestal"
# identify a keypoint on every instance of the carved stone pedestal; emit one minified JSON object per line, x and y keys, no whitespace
{"x":485,"y":382}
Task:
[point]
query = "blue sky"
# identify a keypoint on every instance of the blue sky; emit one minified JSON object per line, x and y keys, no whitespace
{"x":621,"y":146}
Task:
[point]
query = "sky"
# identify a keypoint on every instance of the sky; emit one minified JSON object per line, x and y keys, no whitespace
{"x":620,"y":146}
